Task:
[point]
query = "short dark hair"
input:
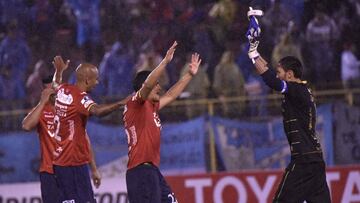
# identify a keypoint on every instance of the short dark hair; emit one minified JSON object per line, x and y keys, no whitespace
{"x":47,"y":80}
{"x":292,"y":63}
{"x":139,"y":79}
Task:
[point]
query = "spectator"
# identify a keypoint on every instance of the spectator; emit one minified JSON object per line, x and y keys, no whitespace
{"x":197,"y":88}
{"x":116,"y":66}
{"x":42,"y":15}
{"x":256,"y":91}
{"x":13,"y":10}
{"x":7,"y":94}
{"x":276,"y":20}
{"x":242,"y":60}
{"x":350,"y":67}
{"x":88,"y":25}
{"x":7,"y":86}
{"x":15,"y":58}
{"x":321,"y":34}
{"x":229,"y":82}
{"x":286,"y":47}
{"x":222,"y":14}
{"x":34,"y":84}
{"x":149,"y":61}
{"x":202,"y":41}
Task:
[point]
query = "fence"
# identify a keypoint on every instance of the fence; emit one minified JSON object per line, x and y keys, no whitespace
{"x":254,"y":108}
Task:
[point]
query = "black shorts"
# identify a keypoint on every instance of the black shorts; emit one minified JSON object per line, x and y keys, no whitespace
{"x":303,"y":181}
{"x":75,"y":184}
{"x":50,"y":192}
{"x":145,"y":183}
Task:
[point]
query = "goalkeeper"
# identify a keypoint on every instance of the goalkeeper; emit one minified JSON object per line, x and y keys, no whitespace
{"x":304,"y":178}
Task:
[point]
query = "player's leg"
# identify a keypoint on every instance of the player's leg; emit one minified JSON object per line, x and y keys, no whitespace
{"x":74,"y":183}
{"x":318,"y":189}
{"x":290,"y":188}
{"x":66,"y":182}
{"x":142,"y":184}
{"x":50,"y":192}
{"x":83,"y":184}
{"x":167,"y":196}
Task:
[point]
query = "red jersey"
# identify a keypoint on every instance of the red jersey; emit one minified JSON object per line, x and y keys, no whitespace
{"x":142,"y":127}
{"x":72,"y":111}
{"x":45,"y":129}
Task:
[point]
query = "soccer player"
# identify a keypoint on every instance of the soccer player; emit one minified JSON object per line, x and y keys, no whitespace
{"x":304,"y":178}
{"x":144,"y":181}
{"x":73,"y":106}
{"x":42,"y":117}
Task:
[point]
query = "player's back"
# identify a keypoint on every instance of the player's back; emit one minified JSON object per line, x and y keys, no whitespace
{"x":299,"y":103}
{"x":299,"y":113}
{"x":72,"y":111}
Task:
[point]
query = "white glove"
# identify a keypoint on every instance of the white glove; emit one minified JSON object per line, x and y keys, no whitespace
{"x":252,"y":51}
{"x":253,"y":33}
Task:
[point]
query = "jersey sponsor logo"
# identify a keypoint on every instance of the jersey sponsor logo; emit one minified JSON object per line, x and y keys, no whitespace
{"x":61,"y":107}
{"x":64,"y":98}
{"x":86,"y":102}
{"x":48,"y":114}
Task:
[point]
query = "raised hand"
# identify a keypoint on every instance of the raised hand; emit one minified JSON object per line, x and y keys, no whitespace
{"x":253,"y":33}
{"x":170,"y":52}
{"x":195,"y":63}
{"x":59,"y":63}
{"x":254,"y":29}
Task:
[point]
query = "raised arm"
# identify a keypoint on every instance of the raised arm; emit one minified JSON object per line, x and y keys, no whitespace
{"x":180,"y":85}
{"x":268,"y":75}
{"x":154,"y":76}
{"x":32,"y":119}
{"x":60,"y":66}
{"x":105,"y":109}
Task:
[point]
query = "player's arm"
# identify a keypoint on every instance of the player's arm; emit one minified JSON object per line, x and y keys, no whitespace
{"x":268,"y":75}
{"x":105,"y":109}
{"x":180,"y":85}
{"x":95,"y":175}
{"x":60,"y":66}
{"x":32,"y":119}
{"x":154,"y":76}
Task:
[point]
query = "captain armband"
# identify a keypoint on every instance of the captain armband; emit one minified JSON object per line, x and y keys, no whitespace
{"x":284,"y":87}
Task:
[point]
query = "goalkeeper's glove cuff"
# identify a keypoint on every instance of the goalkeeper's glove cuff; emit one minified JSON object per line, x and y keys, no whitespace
{"x":253,"y":54}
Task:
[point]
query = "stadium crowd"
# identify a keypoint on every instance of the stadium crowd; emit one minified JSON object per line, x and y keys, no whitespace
{"x":123,"y":37}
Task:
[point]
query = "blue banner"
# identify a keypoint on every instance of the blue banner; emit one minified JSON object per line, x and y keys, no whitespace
{"x":182,"y":150}
{"x":182,"y":147}
{"x":245,"y":145}
{"x":241,"y":145}
{"x":19,"y":157}
{"x":346,"y":134}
